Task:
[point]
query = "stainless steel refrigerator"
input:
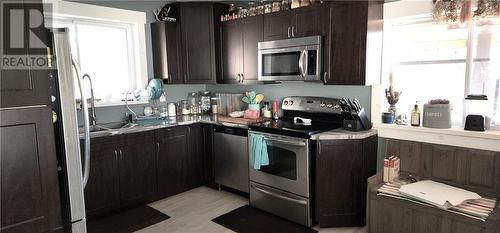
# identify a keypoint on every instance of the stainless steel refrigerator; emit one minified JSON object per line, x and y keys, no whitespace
{"x":73,"y":163}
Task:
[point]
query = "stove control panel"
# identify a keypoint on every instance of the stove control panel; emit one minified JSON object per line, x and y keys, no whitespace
{"x":312,"y":104}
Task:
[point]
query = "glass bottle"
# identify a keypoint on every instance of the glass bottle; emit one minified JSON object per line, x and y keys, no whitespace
{"x":276,"y":7}
{"x":205,"y":102}
{"x":285,"y":5}
{"x":267,"y":7}
{"x":251,"y":9}
{"x":185,"y":109}
{"x":243,"y":12}
{"x":193,"y":102}
{"x":415,"y":116}
{"x":259,"y":10}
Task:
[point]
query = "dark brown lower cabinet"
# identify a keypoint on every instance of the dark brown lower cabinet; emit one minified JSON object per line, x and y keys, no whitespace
{"x":137,"y":168}
{"x":122,"y":172}
{"x":172,"y":160}
{"x":208,"y":172}
{"x":102,"y":192}
{"x":29,"y":185}
{"x":342,"y":169}
{"x":179,"y":158}
{"x":195,"y":168}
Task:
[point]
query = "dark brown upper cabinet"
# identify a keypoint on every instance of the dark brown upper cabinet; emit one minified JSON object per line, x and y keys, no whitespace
{"x":199,"y":24}
{"x":299,"y":22}
{"x":25,"y":86}
{"x":239,"y":40}
{"x":355,"y":36}
{"x":167,"y":58}
{"x":187,"y":51}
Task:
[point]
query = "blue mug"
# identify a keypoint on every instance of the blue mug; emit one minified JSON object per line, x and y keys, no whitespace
{"x":387,"y":118}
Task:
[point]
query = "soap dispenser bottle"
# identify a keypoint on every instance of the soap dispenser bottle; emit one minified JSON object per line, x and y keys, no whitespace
{"x":415,"y":115}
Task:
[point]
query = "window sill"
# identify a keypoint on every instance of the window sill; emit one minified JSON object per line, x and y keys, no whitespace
{"x":488,"y":140}
{"x":121,"y":103}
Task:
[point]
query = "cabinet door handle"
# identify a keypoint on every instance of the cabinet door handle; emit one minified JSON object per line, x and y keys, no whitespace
{"x":239,"y":78}
{"x":121,"y":154}
{"x":116,"y":154}
{"x":288,"y":32}
{"x":293,"y":33}
{"x":324,"y":77}
{"x":157,"y":147}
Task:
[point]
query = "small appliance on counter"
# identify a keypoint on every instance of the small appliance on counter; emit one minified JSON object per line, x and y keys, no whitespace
{"x":478,"y":113}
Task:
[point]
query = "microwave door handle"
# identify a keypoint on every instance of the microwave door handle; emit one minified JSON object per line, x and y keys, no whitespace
{"x":305,"y":61}
{"x":301,"y":63}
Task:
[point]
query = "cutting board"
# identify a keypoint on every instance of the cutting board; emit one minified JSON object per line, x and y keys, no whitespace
{"x":240,"y":120}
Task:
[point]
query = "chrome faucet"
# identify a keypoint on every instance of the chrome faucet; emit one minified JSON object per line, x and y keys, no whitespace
{"x":93,"y":117}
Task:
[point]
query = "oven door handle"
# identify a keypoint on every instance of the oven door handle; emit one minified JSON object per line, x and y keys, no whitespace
{"x":285,"y":142}
{"x":301,"y":202}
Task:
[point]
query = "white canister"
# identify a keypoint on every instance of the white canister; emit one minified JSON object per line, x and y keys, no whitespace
{"x":172,"y":110}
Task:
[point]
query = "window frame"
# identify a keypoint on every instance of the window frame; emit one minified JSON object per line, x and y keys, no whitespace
{"x":133,"y":21}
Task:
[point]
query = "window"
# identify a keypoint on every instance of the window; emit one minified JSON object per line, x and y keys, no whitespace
{"x":104,"y":52}
{"x":433,"y":61}
{"x":109,"y":45}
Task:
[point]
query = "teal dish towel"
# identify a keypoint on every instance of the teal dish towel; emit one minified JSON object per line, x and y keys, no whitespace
{"x":258,"y":151}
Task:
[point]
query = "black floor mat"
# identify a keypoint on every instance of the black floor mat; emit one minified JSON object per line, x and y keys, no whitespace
{"x":127,"y":221}
{"x":247,"y":219}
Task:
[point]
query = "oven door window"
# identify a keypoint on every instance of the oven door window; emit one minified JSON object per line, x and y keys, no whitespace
{"x":281,"y":64}
{"x":282,"y":162}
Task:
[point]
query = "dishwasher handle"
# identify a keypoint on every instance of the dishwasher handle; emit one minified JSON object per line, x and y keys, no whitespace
{"x":231,"y":130}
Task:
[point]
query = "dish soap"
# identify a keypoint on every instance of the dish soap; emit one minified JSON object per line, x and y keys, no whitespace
{"x":415,"y":116}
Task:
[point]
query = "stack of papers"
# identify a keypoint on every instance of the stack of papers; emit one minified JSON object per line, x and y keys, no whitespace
{"x":438,"y":194}
{"x":477,"y":208}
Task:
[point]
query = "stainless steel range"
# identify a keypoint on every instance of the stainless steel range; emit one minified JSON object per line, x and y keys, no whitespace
{"x":283,"y":186}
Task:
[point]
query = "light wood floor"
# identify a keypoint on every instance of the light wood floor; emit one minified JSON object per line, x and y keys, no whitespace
{"x":192,"y":212}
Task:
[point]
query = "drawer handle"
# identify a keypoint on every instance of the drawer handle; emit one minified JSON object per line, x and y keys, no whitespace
{"x":301,"y":202}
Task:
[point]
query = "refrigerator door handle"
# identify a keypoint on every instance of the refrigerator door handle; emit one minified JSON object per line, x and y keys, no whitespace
{"x":86,"y":124}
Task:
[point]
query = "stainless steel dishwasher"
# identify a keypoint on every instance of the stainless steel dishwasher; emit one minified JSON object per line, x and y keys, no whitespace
{"x":230,"y":151}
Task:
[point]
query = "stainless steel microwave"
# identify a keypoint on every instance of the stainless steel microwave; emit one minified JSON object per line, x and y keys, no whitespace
{"x":296,"y":59}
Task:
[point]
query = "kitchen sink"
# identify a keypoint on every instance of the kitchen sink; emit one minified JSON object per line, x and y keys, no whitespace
{"x":109,"y":127}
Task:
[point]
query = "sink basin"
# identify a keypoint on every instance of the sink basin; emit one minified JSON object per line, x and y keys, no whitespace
{"x":109,"y":126}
